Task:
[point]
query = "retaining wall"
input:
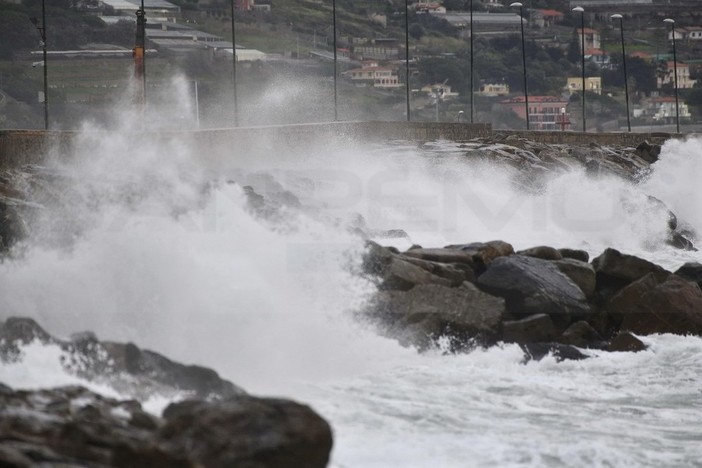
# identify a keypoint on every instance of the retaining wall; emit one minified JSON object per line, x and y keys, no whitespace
{"x":20,"y":147}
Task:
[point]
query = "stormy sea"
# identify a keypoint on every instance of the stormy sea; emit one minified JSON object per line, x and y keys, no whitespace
{"x":249,"y":262}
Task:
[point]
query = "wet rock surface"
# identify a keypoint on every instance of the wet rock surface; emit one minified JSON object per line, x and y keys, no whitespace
{"x":74,"y":427}
{"x":558,"y":306}
{"x":125,"y":367}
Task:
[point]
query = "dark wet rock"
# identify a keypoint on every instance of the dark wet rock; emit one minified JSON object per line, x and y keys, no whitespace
{"x":691,"y":271}
{"x":603,"y":323}
{"x":12,"y":226}
{"x":543,"y":252}
{"x":246,"y":431}
{"x":535,"y":328}
{"x":629,"y":298}
{"x":679,"y":241}
{"x":673,"y":306}
{"x":484,"y":253}
{"x":455,"y":274}
{"x":533,"y":286}
{"x":401,"y":274}
{"x":615,"y":269}
{"x":126,"y":367}
{"x":625,"y":341}
{"x":420,"y":316}
{"x":561,"y":352}
{"x":582,"y":335}
{"x":575,"y":254}
{"x":74,"y":427}
{"x":580,"y":273}
{"x":442,"y":255}
{"x":648,"y":152}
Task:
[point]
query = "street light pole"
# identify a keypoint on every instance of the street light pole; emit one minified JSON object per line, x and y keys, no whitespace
{"x":42,"y":34}
{"x":407,"y":68}
{"x":675,"y":73}
{"x":526,"y":93}
{"x":236,"y":107}
{"x":472,"y":90}
{"x":582,"y":47}
{"x":626,"y":83}
{"x":336,"y":110}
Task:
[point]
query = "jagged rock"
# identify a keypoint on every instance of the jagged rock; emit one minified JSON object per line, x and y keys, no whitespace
{"x":691,"y":271}
{"x":426,"y":312}
{"x":543,"y":252}
{"x":615,"y":269}
{"x":535,"y":328}
{"x":582,"y":335}
{"x":74,"y":427}
{"x":247,"y":431}
{"x":484,"y":253}
{"x":575,"y":254}
{"x":648,"y":152}
{"x":538,"y":351}
{"x":581,"y":273}
{"x":396,"y":272}
{"x":628,"y":299}
{"x":454,"y":274}
{"x":127,"y":368}
{"x":673,"y":306}
{"x":679,"y":241}
{"x":625,"y":341}
{"x":533,"y":286}
{"x":446,"y":255}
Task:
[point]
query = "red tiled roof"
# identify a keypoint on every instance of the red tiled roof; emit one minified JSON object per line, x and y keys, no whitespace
{"x":587,"y":31}
{"x":550,"y":12}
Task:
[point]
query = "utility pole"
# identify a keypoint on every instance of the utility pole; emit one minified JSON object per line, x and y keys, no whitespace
{"x":42,"y":33}
{"x":139,"y":53}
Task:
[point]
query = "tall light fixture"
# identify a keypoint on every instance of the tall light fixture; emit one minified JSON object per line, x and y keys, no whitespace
{"x":407,"y":68}
{"x":675,"y":73}
{"x":526,"y":93}
{"x":626,"y":82}
{"x":582,"y":47}
{"x":472,"y":91}
{"x":236,"y":107}
{"x":42,"y":33}
{"x":336,"y":109}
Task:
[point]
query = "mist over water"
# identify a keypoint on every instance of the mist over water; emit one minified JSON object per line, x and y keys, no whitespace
{"x":141,"y":241}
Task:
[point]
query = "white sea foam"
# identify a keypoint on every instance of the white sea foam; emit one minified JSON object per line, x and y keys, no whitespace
{"x":162,"y":254}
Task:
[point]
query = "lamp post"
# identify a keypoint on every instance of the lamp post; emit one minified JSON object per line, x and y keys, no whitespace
{"x":407,"y":69}
{"x":626,"y":82}
{"x":236,"y":107}
{"x":42,"y":33}
{"x":471,"y":61}
{"x":526,"y":93}
{"x":582,"y":47}
{"x":675,"y":73}
{"x":336,"y":109}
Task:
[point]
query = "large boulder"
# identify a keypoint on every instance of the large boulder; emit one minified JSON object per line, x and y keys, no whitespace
{"x":615,"y":269}
{"x":247,"y":431}
{"x":543,"y":252}
{"x":420,"y":316}
{"x":72,"y":426}
{"x":534,"y":286}
{"x":580,"y":273}
{"x":673,"y":306}
{"x":125,"y":367}
{"x":533,"y":329}
{"x":484,"y":253}
{"x":691,"y":271}
{"x":396,"y":272}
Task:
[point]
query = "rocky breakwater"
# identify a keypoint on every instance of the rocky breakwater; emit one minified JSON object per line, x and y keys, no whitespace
{"x":214,"y":423}
{"x":545,"y":299}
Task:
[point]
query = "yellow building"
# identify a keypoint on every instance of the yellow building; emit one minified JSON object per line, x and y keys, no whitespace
{"x":593,"y":84}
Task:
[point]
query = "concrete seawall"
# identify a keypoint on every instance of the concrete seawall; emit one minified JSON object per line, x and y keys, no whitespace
{"x":21,"y":147}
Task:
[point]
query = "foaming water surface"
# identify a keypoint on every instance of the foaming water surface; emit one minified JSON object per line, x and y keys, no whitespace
{"x":143,"y":244}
